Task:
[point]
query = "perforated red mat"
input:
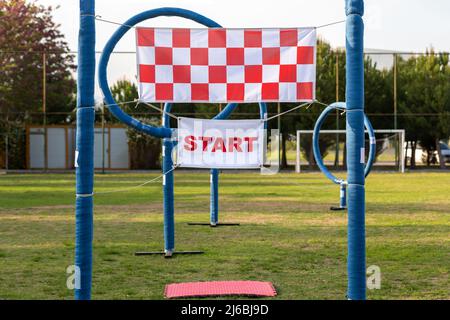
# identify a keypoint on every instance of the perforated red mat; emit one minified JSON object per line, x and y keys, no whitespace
{"x":220,"y":288}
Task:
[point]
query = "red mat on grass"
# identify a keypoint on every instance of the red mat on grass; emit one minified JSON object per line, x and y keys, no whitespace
{"x":220,"y":288}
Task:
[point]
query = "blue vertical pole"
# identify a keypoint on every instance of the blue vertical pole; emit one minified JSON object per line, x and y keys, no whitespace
{"x":214,"y":173}
{"x":168,"y":192}
{"x":84,"y":161}
{"x":214,"y":197}
{"x":356,"y":263}
{"x":343,"y":195}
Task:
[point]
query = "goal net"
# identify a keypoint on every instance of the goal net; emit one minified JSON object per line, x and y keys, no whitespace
{"x":390,"y":154}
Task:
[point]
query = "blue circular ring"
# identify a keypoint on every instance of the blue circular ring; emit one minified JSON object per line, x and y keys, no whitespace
{"x":316,"y":149}
{"x":160,"y":132}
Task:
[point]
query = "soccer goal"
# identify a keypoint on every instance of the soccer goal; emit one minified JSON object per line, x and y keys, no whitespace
{"x":390,"y":155}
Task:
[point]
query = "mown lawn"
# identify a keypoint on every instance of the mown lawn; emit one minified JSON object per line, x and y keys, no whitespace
{"x":287,"y":235}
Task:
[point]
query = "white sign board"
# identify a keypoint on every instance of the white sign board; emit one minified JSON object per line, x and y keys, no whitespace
{"x":221,"y":144}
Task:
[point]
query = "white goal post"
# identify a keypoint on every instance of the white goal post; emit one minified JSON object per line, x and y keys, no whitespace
{"x":400,"y":133}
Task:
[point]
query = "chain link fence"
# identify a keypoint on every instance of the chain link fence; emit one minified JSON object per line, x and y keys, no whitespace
{"x":29,"y":100}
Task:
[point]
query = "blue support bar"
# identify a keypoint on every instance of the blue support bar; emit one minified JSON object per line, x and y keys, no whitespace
{"x":356,"y":264}
{"x":214,"y":197}
{"x":168,"y":207}
{"x":84,"y":161}
{"x":214,"y":173}
{"x":168,"y":192}
{"x":343,"y":195}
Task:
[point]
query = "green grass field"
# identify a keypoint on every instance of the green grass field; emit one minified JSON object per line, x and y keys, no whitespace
{"x":288,"y":235}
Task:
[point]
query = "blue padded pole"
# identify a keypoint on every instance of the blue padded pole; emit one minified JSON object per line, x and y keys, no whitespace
{"x":85,"y":151}
{"x":214,"y":173}
{"x":168,"y":192}
{"x":356,"y":261}
{"x":214,"y":197}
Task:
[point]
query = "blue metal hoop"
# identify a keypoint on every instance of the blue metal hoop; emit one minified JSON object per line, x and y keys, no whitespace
{"x":165,"y":131}
{"x":160,"y":132}
{"x":316,"y":149}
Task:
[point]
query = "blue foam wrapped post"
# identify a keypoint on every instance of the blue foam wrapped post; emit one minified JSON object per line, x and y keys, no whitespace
{"x":356,"y":261}
{"x":214,"y":197}
{"x":214,"y":174}
{"x":168,"y":192}
{"x":84,"y":161}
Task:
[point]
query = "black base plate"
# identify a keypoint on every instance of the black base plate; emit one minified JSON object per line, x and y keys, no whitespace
{"x":212,"y":225}
{"x":338,"y":208}
{"x":150,"y":253}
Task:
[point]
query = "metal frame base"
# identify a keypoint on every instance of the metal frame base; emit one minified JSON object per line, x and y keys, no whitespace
{"x":165,"y":254}
{"x":338,"y":208}
{"x":213,"y":225}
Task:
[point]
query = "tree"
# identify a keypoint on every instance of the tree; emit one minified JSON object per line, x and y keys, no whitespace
{"x":425,"y":88}
{"x":27,"y":32}
{"x":27,"y":36}
{"x":145,"y":150}
{"x":326,"y":92}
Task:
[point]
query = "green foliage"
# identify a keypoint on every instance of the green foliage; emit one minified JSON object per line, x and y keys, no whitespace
{"x":424,"y":87}
{"x":27,"y":31}
{"x":144,"y":150}
{"x":124,"y":91}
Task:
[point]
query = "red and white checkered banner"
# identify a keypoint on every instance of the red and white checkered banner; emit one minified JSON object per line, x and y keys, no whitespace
{"x":222,"y":144}
{"x":226,"y":65}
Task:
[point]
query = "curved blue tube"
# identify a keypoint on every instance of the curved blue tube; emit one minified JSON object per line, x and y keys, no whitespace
{"x":214,"y":173}
{"x":160,"y":132}
{"x":165,"y":131}
{"x":316,"y":148}
{"x":316,"y":133}
{"x":84,"y":166}
{"x":372,"y":146}
{"x":356,"y":262}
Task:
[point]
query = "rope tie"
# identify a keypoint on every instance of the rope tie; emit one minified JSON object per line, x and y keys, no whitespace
{"x":355,"y":184}
{"x":85,"y":195}
{"x":134,"y":187}
{"x":100,"y":18}
{"x":159,"y":109}
{"x":307,"y":104}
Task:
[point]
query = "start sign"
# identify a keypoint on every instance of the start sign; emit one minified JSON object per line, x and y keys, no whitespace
{"x":221,"y":144}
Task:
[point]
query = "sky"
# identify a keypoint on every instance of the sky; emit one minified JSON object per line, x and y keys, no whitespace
{"x":394,"y":25}
{"x":400,"y":25}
